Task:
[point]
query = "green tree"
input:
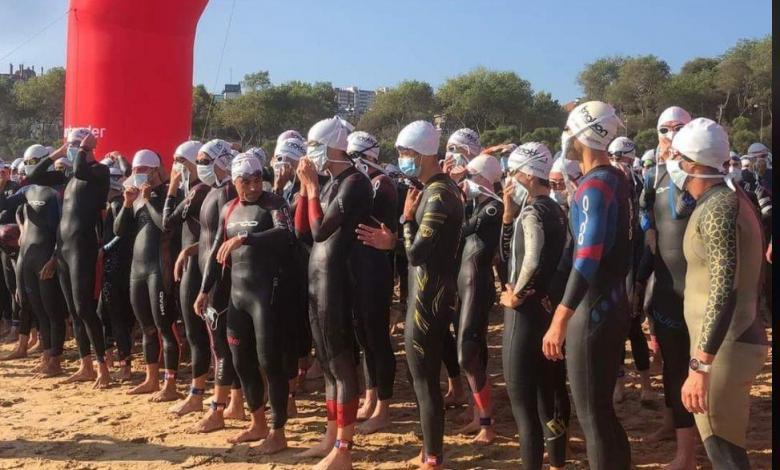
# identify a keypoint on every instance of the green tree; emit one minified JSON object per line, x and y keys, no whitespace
{"x":638,"y":86}
{"x":549,"y":136}
{"x":41,"y":100}
{"x":202,"y":111}
{"x":741,"y":140}
{"x":257,"y":81}
{"x":598,"y":76}
{"x":501,"y":135}
{"x":645,"y":140}
{"x":546,"y":112}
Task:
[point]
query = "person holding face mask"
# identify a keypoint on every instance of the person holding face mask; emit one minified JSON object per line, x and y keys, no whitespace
{"x":462,"y":146}
{"x":78,"y":245}
{"x":64,"y":166}
{"x":536,"y":237}
{"x":151,"y":282}
{"x":564,"y":176}
{"x":114,"y":302}
{"x":213,"y":163}
{"x":727,"y":337}
{"x":254,"y":235}
{"x":763,"y":164}
{"x":668,"y":209}
{"x":432,"y":221}
{"x":592,"y":318}
{"x":648,"y":162}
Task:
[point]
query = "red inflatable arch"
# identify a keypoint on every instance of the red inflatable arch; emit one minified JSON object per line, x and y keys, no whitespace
{"x":129,"y":72}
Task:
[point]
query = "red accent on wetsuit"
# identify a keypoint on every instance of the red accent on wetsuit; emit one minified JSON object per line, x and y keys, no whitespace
{"x":330,"y":408}
{"x":346,"y":413}
{"x":315,"y":210}
{"x":302,"y":215}
{"x":482,"y":398}
{"x":590,"y":252}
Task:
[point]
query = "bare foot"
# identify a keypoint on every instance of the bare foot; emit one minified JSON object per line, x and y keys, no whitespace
{"x":102,"y":381}
{"x":235,"y":410}
{"x":663,"y":434}
{"x":213,"y":421}
{"x":468,"y":415}
{"x":470,"y":428}
{"x":33,"y":345}
{"x":82,"y":375}
{"x":486,"y":436}
{"x":189,"y":405}
{"x":292,"y":409}
{"x":124,"y":374}
{"x":52,"y":369}
{"x":337,"y":459}
{"x":322,"y":449}
{"x":275,"y":442}
{"x":454,"y":400}
{"x":373,"y":424}
{"x":147,"y":386}
{"x":249,"y":434}
{"x":365,"y":411}
{"x":18,"y":353}
{"x":168,"y":393}
{"x":41,"y":364}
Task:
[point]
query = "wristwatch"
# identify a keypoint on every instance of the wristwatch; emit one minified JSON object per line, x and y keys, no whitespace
{"x":242,"y":235}
{"x":699,"y":366}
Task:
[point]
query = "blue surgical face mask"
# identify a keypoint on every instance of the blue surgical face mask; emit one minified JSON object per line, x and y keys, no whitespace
{"x":72,"y":152}
{"x":408,"y":166}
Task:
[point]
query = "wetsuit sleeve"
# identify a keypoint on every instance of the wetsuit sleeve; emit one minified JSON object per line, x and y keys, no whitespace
{"x":349,"y":197}
{"x":280,"y":235}
{"x":717,"y":227}
{"x":125,"y":222}
{"x":592,"y":215}
{"x":155,"y":214}
{"x":764,"y":199}
{"x":83,"y":170}
{"x":645,"y":268}
{"x":420,"y":241}
{"x":10,"y":203}
{"x":110,"y":237}
{"x":533,"y":244}
{"x":646,"y":202}
{"x":211,"y":272}
{"x":505,"y":244}
{"x":485,"y":216}
{"x":41,"y":175}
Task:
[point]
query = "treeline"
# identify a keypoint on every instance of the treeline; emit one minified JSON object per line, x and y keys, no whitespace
{"x":734,"y":89}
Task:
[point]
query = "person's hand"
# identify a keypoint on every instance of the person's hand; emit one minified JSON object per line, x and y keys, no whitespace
{"x":552,"y":343}
{"x":510,"y":300}
{"x":48,"y":270}
{"x":283,"y":174}
{"x":181,"y":265}
{"x":664,"y":147}
{"x":176,"y":177}
{"x":650,"y":240}
{"x":227,"y":247}
{"x":458,"y":172}
{"x":131,"y":194}
{"x":380,"y":238}
{"x":510,"y":208}
{"x":448,"y":164}
{"x":308,"y":176}
{"x":413,"y":197}
{"x":146,"y":191}
{"x":201,"y":304}
{"x":653,"y":345}
{"x":694,"y":392}
{"x":89,"y":142}
{"x":769,"y":253}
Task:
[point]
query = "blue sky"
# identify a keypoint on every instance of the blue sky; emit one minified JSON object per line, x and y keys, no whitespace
{"x":379,"y":43}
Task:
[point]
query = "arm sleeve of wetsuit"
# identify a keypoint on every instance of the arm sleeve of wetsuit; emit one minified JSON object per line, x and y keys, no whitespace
{"x":533,"y":244}
{"x":421,"y":241}
{"x":173,"y":209}
{"x":645,"y":268}
{"x":718,"y":229}
{"x":764,"y":205}
{"x":479,"y":218}
{"x":41,"y":175}
{"x":211,"y":271}
{"x":81,"y":167}
{"x":302,"y":227}
{"x":349,"y":196}
{"x":646,"y":203}
{"x":596,"y":211}
{"x":505,"y":243}
{"x":124,"y":222}
{"x":280,"y":235}
{"x":155,"y":214}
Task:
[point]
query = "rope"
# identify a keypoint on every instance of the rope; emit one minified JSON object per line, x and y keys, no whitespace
{"x":33,"y":36}
{"x":219,"y":67}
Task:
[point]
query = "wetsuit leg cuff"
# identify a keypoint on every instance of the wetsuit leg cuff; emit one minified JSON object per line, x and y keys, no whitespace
{"x":343,"y":444}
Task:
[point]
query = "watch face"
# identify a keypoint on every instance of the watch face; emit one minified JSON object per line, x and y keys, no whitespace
{"x":694,"y":364}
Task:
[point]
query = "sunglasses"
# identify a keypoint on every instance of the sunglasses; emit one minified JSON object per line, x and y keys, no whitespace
{"x":666,"y":130}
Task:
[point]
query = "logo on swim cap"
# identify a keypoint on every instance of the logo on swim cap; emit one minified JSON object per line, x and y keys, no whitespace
{"x":597,"y":127}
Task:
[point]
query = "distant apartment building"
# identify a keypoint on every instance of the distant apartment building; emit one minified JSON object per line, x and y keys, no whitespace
{"x":231,"y":90}
{"x":21,"y":74}
{"x":353,"y":101}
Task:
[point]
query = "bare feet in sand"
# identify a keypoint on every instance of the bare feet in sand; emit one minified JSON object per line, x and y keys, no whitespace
{"x":167,"y":393}
{"x":103,"y":377}
{"x":250,"y":434}
{"x":486,"y":436}
{"x":124,"y":373}
{"x":373,"y":424}
{"x":53,"y":368}
{"x":84,"y":374}
{"x":213,"y":421}
{"x":322,"y":448}
{"x":190,"y":404}
{"x":337,"y":459}
{"x":19,"y":352}
{"x":147,"y":386}
{"x":235,"y":410}
{"x":33,"y":345}
{"x":455,"y":395}
{"x":366,"y":410}
{"x":275,"y":442}
{"x":292,"y":408}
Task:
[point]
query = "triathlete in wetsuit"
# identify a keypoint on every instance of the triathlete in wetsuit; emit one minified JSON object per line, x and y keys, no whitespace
{"x":331,"y":214}
{"x":151,"y":283}
{"x":114,"y":303}
{"x":78,"y":245}
{"x":538,"y":236}
{"x":433,"y":220}
{"x":592,"y":317}
{"x":181,"y":213}
{"x":476,"y":286}
{"x":374,"y":273}
{"x":724,"y":259}
{"x":668,"y":211}
{"x":213,"y":168}
{"x":8,"y":307}
{"x":255,"y":236}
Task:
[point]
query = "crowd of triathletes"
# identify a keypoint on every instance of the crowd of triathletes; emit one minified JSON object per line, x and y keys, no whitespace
{"x":281,"y":266}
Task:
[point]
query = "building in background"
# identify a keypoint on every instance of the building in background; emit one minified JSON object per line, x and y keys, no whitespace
{"x":21,"y":74}
{"x":353,"y":102}
{"x":231,"y":90}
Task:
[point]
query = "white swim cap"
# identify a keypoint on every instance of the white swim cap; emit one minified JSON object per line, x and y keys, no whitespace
{"x":571,"y":167}
{"x":704,"y":142}
{"x":188,"y":150}
{"x":466,"y":138}
{"x":146,"y":157}
{"x":363,"y":143}
{"x":532,"y":158}
{"x":35,"y":152}
{"x":649,"y":155}
{"x":420,"y":136}
{"x":219,"y":152}
{"x":259,"y":153}
{"x":594,"y":124}
{"x":757,"y":149}
{"x":289,"y":134}
{"x":486,"y":166}
{"x":78,"y":134}
{"x":245,"y":164}
{"x":64,"y":161}
{"x":624,"y":146}
{"x":332,"y":132}
{"x":673,"y":114}
{"x":17,"y":163}
{"x":291,"y":148}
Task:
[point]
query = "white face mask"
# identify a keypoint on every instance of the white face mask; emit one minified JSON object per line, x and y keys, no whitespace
{"x":520,"y":194}
{"x":318,"y":154}
{"x":679,"y":176}
{"x":136,"y":180}
{"x":559,"y":197}
{"x":206,"y":174}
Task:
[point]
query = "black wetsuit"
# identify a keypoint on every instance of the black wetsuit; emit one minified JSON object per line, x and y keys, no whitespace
{"x":344,"y":202}
{"x":431,"y":242}
{"x":596,"y":290}
{"x":40,"y":216}
{"x":374,"y":272}
{"x":10,"y":307}
{"x":255,"y":320}
{"x":669,"y":212}
{"x":183,"y":214}
{"x":114,"y":304}
{"x":219,"y":296}
{"x":477,"y":293}
{"x":78,"y":245}
{"x":536,"y":385}
{"x":151,"y":277}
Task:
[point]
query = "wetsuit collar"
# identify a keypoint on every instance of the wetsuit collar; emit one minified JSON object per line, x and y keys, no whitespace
{"x":437,"y":177}
{"x":710,"y":191}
